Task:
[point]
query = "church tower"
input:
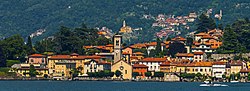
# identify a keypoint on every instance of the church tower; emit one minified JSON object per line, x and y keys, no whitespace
{"x":124,"y":24}
{"x":117,"y":47}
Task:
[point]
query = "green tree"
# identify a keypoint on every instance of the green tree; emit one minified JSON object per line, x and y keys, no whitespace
{"x":118,"y":73}
{"x":248,"y":76}
{"x":205,"y":23}
{"x":148,"y":74}
{"x":2,"y":58}
{"x":158,"y":46}
{"x":13,"y":48}
{"x":9,"y":63}
{"x":32,"y":71}
{"x":29,"y":45}
{"x":135,"y":74}
{"x":228,"y":46}
{"x":158,"y":74}
{"x":189,"y":41}
{"x":176,"y":47}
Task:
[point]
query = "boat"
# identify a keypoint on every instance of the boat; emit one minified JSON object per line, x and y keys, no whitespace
{"x":234,"y":81}
{"x":211,"y":84}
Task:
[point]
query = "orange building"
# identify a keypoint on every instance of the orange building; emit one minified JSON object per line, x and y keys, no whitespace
{"x":141,"y":69}
{"x":37,"y":59}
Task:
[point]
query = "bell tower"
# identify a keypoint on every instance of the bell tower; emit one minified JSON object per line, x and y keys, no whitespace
{"x":117,"y":48}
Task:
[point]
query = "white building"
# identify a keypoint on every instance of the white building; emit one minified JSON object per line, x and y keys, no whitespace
{"x":199,"y":56}
{"x":95,"y":66}
{"x":219,"y":68}
{"x":153,"y":63}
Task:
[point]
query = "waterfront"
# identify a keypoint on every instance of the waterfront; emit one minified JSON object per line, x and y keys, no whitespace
{"x":114,"y":86}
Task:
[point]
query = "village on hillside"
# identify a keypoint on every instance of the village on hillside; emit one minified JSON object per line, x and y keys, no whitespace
{"x":118,"y":62}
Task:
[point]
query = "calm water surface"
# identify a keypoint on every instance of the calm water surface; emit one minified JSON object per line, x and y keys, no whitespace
{"x":114,"y":86}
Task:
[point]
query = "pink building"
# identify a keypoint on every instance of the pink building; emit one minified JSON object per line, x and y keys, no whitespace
{"x":37,"y":59}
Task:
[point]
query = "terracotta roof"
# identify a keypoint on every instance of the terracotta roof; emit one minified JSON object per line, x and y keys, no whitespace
{"x":236,"y":63}
{"x":139,"y":66}
{"x":104,"y":62}
{"x":36,"y":55}
{"x":181,"y":65}
{"x":109,"y":45}
{"x":165,"y":63}
{"x":207,"y":37}
{"x":154,"y":60}
{"x":201,"y":34}
{"x":119,"y":61}
{"x":179,"y":38}
{"x":98,"y":62}
{"x":125,"y":53}
{"x":139,"y":45}
{"x":153,"y":44}
{"x":184,"y":55}
{"x":138,"y":53}
{"x":88,"y":47}
{"x":198,"y":53}
{"x":244,"y":70}
{"x":219,"y":63}
{"x":133,"y":57}
{"x":166,"y":42}
{"x":203,"y":64}
{"x":78,"y":57}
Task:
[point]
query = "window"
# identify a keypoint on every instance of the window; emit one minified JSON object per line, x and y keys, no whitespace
{"x":43,"y":60}
{"x":201,"y":70}
{"x":196,"y":70}
{"x":32,"y":60}
{"x":117,"y":42}
{"x":125,"y":71}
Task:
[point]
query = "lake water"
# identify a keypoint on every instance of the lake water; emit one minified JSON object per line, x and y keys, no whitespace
{"x":114,"y":86}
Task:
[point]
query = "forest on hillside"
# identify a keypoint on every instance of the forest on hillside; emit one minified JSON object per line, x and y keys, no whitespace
{"x":26,"y":16}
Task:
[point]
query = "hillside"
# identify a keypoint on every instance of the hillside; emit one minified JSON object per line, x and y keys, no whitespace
{"x":27,"y":16}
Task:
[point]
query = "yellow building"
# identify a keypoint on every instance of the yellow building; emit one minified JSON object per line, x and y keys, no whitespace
{"x":62,"y":63}
{"x":236,"y":67}
{"x":62,"y":69}
{"x":124,"y":67}
{"x":205,"y":68}
{"x":180,"y":68}
{"x":24,"y":70}
{"x":125,"y":29}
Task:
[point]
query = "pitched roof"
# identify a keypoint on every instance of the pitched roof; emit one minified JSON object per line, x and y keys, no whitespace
{"x":219,"y":63}
{"x":184,"y":55}
{"x":78,"y":57}
{"x":139,"y":45}
{"x":138,"y":53}
{"x":153,"y":44}
{"x":201,"y":34}
{"x":153,"y":60}
{"x":236,"y":63}
{"x":179,"y":38}
{"x":207,"y":37}
{"x":36,"y":55}
{"x":198,"y":53}
{"x":109,"y":45}
{"x":167,"y":63}
{"x":125,"y":53}
{"x":119,"y":61}
{"x":139,"y":66}
{"x":166,"y":42}
{"x":244,"y":70}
